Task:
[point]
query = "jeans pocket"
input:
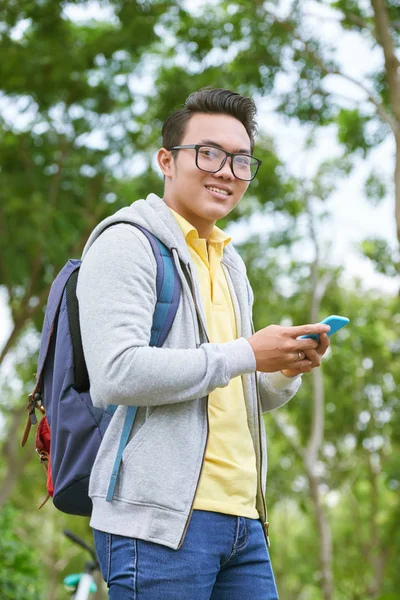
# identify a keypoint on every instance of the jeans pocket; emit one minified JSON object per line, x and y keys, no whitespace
{"x":102,"y":542}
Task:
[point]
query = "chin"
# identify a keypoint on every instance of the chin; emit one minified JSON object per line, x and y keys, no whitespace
{"x":218,"y":211}
{"x":215,"y":215}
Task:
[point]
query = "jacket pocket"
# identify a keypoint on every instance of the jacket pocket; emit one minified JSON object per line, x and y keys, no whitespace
{"x":161,"y":465}
{"x":139,"y":437}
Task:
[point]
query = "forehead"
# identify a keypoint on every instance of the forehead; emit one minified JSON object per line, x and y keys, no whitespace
{"x":223,"y":130}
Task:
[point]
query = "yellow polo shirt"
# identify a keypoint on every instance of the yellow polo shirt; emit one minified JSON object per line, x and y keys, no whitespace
{"x":228,"y":483}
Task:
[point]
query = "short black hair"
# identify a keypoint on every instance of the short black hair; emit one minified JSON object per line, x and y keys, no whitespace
{"x":211,"y":101}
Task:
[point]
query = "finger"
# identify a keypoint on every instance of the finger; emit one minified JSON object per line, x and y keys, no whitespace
{"x":314,"y":357}
{"x":307,"y":344}
{"x":316,"y":328}
{"x":303,"y":366}
{"x":298,"y":356}
{"x":295,"y":363}
{"x":324,"y":344}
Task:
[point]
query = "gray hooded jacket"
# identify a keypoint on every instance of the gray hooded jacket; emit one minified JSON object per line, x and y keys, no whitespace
{"x":162,"y":461}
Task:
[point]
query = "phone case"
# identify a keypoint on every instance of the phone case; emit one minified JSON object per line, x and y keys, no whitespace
{"x":335,"y":322}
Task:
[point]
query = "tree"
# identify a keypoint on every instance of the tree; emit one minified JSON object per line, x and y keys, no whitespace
{"x":20,"y":573}
{"x":276,"y":52}
{"x":351,"y":485}
{"x":69,"y":152}
{"x":79,"y":130}
{"x":71,"y":119}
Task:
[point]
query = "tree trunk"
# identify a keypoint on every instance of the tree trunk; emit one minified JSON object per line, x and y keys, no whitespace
{"x":397,"y":186}
{"x":325,"y":537}
{"x":375,"y":556}
{"x":310,"y":460}
{"x":317,"y":429}
{"x":53,"y":589}
{"x":384,"y":36}
{"x":11,"y":340}
{"x":309,"y":455}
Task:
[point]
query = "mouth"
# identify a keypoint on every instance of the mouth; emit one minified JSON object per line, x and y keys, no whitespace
{"x":218,"y":192}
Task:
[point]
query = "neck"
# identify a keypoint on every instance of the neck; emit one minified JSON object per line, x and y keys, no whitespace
{"x":203,"y":228}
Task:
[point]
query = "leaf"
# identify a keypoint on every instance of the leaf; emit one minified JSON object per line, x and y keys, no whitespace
{"x":375,"y":188}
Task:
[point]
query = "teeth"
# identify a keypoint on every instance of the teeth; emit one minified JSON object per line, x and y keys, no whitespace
{"x":215,"y":189}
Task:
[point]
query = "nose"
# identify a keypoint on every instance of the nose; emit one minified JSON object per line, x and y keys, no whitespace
{"x":226,"y":171}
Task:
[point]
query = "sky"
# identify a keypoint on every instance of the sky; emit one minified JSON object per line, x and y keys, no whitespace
{"x":352,"y":217}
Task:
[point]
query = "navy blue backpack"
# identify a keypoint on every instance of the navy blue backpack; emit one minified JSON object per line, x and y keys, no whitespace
{"x":69,"y":435}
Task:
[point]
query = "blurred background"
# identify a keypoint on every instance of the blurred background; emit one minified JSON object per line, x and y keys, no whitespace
{"x":84,"y":89}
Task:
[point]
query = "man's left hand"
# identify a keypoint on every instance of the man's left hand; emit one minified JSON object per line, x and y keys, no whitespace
{"x":314,"y":356}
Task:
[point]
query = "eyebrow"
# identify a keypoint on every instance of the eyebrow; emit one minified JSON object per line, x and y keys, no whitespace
{"x":239,"y":151}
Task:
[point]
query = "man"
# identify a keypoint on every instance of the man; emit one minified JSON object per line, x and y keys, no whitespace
{"x":188,"y":519}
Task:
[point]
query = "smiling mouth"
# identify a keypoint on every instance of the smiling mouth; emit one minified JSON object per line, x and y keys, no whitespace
{"x":218,"y":191}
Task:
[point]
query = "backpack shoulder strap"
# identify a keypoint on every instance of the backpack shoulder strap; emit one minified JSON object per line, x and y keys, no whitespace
{"x":168,"y":287}
{"x":81,"y":376}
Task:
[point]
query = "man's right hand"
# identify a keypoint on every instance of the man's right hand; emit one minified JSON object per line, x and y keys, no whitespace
{"x":277,"y":348}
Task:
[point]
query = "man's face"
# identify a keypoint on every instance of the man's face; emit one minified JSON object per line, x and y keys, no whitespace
{"x":204,"y":198}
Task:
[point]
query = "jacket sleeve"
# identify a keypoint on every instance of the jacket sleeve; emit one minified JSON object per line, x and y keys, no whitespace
{"x":276,"y":389}
{"x":117,"y":295}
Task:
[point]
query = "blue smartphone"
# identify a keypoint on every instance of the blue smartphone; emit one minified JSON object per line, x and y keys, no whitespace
{"x":334,"y":321}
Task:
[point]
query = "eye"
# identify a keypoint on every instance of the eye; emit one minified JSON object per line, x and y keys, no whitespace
{"x":210,"y":153}
{"x":242,"y":160}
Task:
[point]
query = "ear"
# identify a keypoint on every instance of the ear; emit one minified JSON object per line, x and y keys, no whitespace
{"x":165,"y":161}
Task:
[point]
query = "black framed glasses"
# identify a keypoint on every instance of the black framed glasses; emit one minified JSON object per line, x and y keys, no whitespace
{"x":211,"y":159}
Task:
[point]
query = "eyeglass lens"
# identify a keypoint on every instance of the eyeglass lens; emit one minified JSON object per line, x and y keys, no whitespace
{"x":210,"y":159}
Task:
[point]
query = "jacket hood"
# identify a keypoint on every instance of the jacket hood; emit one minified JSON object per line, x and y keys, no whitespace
{"x":155,"y":216}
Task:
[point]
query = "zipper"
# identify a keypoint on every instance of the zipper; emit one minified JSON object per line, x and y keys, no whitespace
{"x":204,"y":331}
{"x":198,"y":312}
{"x":264,"y":517}
{"x":198,"y":481}
{"x":265,"y":521}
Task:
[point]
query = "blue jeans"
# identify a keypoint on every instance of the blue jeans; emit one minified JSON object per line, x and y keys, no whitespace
{"x":222,"y":558}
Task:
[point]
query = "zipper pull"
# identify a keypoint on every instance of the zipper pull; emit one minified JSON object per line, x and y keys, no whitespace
{"x":266,"y":529}
{"x":35,"y":403}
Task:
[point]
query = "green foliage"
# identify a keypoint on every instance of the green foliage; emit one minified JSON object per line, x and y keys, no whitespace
{"x":81,"y":111}
{"x":361,"y":396}
{"x":352,"y":10}
{"x":384,"y":258}
{"x":375,"y":189}
{"x":21,"y":575}
{"x":352,"y":130}
{"x":328,"y":174}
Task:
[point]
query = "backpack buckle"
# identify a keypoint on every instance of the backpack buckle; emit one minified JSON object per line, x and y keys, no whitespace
{"x":35,"y":402}
{"x":43,"y":457}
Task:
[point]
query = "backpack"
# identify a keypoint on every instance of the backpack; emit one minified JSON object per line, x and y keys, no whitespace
{"x":71,"y":430}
